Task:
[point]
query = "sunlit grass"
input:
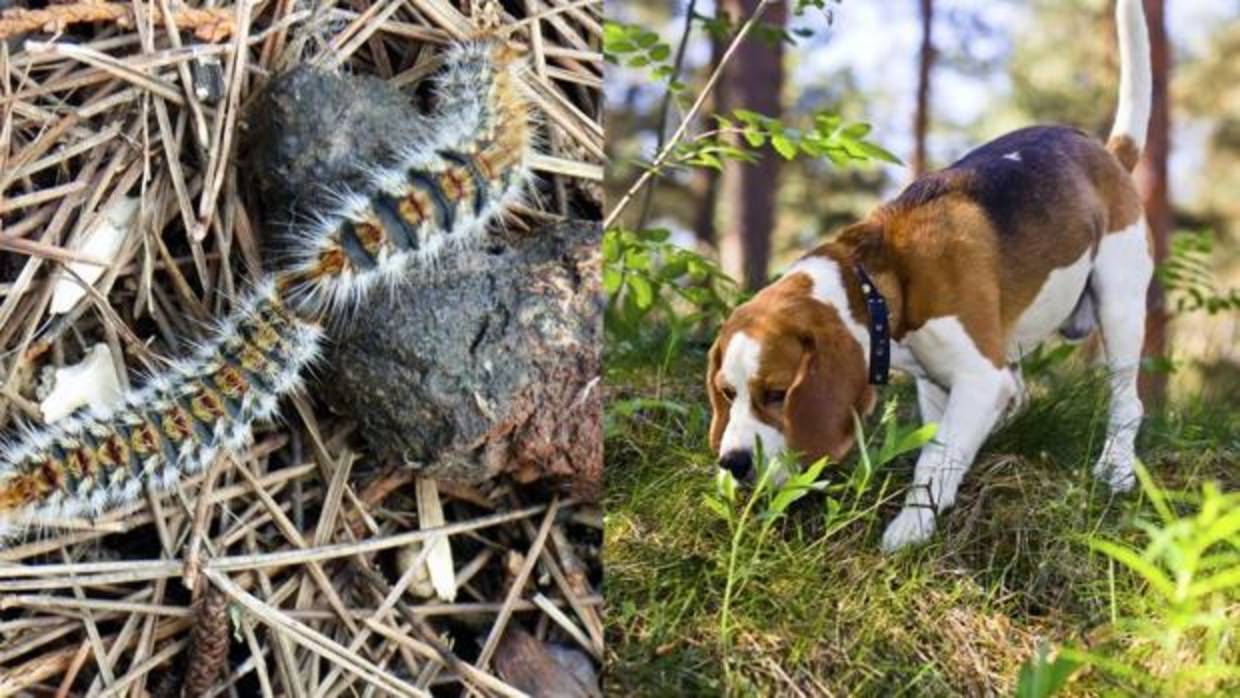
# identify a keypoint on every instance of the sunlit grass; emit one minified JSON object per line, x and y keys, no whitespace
{"x":816,"y":605}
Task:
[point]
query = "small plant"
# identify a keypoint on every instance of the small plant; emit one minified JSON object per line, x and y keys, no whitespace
{"x":1189,"y":616}
{"x":647,"y":279}
{"x":781,"y":482}
{"x":1188,"y":279}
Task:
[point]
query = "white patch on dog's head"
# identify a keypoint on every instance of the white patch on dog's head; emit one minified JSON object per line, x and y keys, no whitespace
{"x":740,"y":364}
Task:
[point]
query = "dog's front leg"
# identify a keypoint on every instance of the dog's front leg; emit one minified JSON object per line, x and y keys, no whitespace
{"x":974,"y":403}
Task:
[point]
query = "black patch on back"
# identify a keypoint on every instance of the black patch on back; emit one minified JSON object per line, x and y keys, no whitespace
{"x":1009,"y":191}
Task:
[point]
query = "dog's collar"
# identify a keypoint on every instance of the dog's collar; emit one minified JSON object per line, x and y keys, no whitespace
{"x":879,"y":326}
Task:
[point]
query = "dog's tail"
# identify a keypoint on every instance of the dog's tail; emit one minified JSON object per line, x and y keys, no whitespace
{"x":1132,"y":117}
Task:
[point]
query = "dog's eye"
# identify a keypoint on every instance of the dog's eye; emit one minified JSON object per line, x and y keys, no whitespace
{"x":775,"y":397}
{"x":729,"y":394}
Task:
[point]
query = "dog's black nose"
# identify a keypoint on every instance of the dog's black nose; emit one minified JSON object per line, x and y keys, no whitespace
{"x":739,"y":463}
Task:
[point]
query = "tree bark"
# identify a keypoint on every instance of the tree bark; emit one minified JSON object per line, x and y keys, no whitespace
{"x":705,"y":184}
{"x":1151,"y":175}
{"x":925,"y":62}
{"x":754,"y":81}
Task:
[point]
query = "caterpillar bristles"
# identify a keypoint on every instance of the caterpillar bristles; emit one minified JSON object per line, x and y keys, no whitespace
{"x":460,"y":168}
{"x":453,"y":177}
{"x":96,"y":459}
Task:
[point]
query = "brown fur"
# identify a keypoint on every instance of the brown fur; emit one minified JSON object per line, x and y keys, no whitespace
{"x":808,"y":353}
{"x":1125,"y":150}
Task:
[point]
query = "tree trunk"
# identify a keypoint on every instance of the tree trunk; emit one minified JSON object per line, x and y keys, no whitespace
{"x":753,"y":79}
{"x":925,"y":61}
{"x":705,"y":184}
{"x":1151,"y":174}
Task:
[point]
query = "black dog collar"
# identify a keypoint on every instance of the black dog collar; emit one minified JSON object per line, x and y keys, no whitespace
{"x":879,"y":326}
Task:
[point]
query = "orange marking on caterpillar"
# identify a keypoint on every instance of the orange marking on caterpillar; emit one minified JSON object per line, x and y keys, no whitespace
{"x":52,"y":472}
{"x":145,"y":439}
{"x":252,"y":359}
{"x":265,"y":335}
{"x":456,"y":183}
{"x":113,"y":452}
{"x":415,"y":207}
{"x":176,"y":424}
{"x":81,"y":461}
{"x":207,"y":406}
{"x":371,"y":236}
{"x":22,"y":490}
{"x":231,"y":382}
{"x":332,"y":261}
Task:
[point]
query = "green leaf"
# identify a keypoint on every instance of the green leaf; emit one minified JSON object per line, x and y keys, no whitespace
{"x":612,"y":279}
{"x":749,"y":117}
{"x":1040,"y":678}
{"x":646,"y":38}
{"x":754,"y":137}
{"x":643,"y":292}
{"x":878,"y":153}
{"x":660,"y":52}
{"x":719,"y":508}
{"x":1137,"y":564}
{"x":911,"y":441}
{"x":855,"y":131}
{"x":784,"y":146}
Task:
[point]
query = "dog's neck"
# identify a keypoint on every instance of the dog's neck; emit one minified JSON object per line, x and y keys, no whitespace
{"x":862,"y":245}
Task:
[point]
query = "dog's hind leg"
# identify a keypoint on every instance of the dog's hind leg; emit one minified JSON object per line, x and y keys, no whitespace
{"x":1119,"y":282}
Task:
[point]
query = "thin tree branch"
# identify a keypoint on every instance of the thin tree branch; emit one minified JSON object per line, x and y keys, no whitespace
{"x":663,"y":154}
{"x":677,"y":65}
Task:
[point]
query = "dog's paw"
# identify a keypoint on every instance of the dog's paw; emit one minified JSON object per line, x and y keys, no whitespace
{"x":914,"y":524}
{"x":1115,"y":469}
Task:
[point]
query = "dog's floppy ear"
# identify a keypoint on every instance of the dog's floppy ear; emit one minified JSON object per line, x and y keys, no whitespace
{"x":830,"y":384}
{"x":718,"y":403}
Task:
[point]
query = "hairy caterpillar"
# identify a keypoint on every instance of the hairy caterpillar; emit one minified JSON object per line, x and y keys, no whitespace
{"x":464,"y":166}
{"x":456,"y":173}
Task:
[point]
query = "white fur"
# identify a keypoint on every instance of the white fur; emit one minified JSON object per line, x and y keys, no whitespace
{"x":824,"y":272}
{"x":744,"y":430}
{"x":1132,"y":116}
{"x":1120,"y":280}
{"x":977,"y":392}
{"x":1050,"y":308}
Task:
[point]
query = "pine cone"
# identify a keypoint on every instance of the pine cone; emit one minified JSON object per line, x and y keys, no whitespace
{"x":209,"y":639}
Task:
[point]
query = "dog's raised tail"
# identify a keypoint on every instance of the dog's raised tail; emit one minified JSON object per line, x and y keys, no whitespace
{"x":1132,"y":116}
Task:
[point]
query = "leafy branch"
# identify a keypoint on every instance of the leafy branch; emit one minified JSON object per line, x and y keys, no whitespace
{"x":829,"y":137}
{"x":669,"y":147}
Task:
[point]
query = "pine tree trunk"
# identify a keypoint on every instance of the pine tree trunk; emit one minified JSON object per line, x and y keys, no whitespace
{"x":1151,"y":174}
{"x":705,"y":185}
{"x":754,"y":80}
{"x":925,"y":62}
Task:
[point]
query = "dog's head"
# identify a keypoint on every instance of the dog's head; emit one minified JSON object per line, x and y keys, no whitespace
{"x":786,"y":372}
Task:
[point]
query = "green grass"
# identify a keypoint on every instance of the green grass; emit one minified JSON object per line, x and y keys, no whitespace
{"x":819,"y":607}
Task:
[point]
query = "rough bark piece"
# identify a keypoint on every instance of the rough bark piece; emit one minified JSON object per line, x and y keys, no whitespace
{"x":312,"y":132}
{"x":491,"y":366}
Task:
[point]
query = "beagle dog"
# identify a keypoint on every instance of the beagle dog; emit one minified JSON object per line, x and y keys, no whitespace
{"x":1038,"y":231}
